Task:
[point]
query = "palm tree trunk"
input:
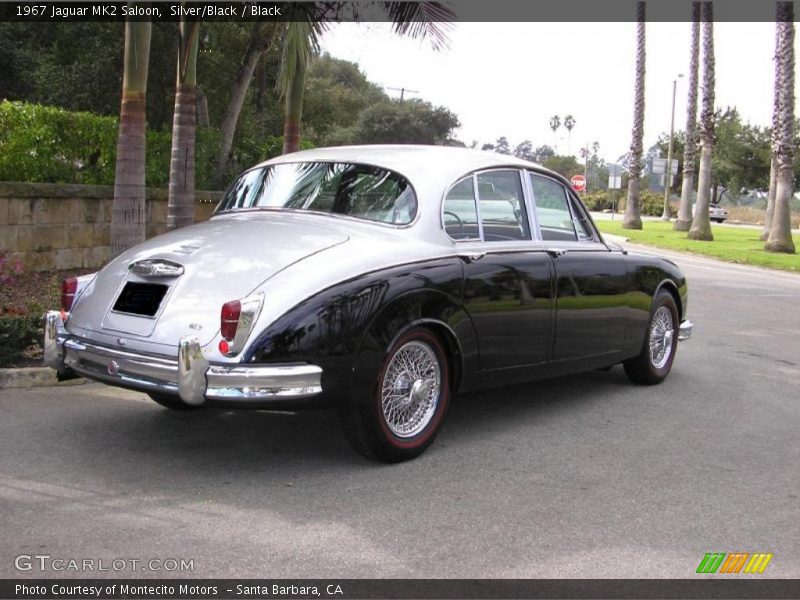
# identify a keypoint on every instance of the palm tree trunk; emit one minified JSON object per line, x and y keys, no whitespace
{"x":633,"y":219}
{"x":203,"y":119}
{"x":294,"y":108}
{"x":261,"y":39}
{"x":129,"y":208}
{"x":684,"y":220}
{"x":773,"y":185}
{"x":701,"y":224}
{"x":780,"y":232}
{"x":180,"y":203}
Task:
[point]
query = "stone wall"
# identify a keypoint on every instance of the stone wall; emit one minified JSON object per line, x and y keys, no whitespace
{"x":54,"y":226}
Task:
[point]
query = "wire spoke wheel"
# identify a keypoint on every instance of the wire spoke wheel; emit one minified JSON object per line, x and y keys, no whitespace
{"x":662,"y":331}
{"x":410,"y":389}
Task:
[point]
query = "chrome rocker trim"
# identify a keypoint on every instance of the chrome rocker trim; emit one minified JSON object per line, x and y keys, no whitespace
{"x":685,"y":330}
{"x":190,"y":376}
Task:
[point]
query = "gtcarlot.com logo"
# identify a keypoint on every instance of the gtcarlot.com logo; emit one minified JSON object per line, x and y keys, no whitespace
{"x":734,"y":562}
{"x":46,"y":562}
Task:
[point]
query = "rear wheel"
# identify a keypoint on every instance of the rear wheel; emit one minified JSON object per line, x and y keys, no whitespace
{"x":410,"y":401}
{"x":171,"y":402}
{"x":654,"y":362}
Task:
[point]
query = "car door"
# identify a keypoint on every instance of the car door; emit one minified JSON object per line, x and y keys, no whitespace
{"x":590,"y":279}
{"x":508,"y":290}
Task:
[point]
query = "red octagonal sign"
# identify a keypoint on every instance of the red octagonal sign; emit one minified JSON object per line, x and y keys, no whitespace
{"x":578,"y":182}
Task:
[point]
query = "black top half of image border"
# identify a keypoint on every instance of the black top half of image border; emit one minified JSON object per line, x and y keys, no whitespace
{"x":584,"y":11}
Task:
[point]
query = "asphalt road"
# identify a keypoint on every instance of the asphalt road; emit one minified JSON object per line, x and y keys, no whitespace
{"x":587,"y":476}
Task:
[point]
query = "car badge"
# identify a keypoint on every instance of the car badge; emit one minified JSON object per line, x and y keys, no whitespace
{"x":122,"y":341}
{"x":113,"y":368}
{"x":156,"y":268}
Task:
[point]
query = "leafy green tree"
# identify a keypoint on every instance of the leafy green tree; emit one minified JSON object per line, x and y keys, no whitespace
{"x":336,"y":92}
{"x":564,"y":165}
{"x":400,"y":122}
{"x":501,"y":146}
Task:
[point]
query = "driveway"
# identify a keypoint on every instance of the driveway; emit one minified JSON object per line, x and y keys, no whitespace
{"x":585,"y":476}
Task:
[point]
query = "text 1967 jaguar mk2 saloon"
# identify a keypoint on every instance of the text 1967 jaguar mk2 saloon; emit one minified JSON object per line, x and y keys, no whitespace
{"x":378,"y":279}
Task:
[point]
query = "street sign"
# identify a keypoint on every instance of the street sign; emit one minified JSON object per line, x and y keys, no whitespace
{"x":578,"y":182}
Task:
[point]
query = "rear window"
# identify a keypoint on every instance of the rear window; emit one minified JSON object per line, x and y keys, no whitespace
{"x":355,"y":190}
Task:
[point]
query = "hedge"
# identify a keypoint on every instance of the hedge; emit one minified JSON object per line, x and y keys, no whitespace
{"x":45,"y":144}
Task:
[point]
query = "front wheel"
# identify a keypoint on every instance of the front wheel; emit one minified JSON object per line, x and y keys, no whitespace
{"x":654,"y":362}
{"x":410,"y":401}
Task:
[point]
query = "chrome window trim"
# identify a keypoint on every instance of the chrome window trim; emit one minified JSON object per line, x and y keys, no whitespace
{"x":231,"y":211}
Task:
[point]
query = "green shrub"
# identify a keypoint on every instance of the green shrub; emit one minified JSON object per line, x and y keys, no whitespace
{"x":45,"y":144}
{"x":18,"y":332}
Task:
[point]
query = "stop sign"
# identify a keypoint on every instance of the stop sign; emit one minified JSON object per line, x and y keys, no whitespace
{"x":578,"y":182}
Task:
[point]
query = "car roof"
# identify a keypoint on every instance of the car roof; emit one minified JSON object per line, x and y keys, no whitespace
{"x":412,"y":160}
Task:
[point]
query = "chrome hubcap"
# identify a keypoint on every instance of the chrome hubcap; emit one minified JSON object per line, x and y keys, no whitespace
{"x":662,"y":333}
{"x":410,"y":389}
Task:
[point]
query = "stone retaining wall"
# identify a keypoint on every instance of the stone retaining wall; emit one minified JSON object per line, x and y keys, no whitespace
{"x":54,"y":226}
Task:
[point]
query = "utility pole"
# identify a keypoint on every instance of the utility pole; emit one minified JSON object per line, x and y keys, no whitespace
{"x":403,"y":91}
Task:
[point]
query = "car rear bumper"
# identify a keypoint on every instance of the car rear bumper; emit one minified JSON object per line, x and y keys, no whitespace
{"x":189,"y":375}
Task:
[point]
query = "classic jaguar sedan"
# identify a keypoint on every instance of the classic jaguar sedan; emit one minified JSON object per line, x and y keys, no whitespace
{"x":380,"y":280}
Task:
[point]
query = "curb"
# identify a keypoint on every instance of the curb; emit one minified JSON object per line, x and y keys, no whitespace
{"x":33,"y":377}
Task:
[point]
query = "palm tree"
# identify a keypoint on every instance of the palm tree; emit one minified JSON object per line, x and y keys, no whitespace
{"x":262,"y":36}
{"x":300,"y":43}
{"x":555,"y":123}
{"x":684,"y":220}
{"x":180,"y":204}
{"x":129,"y":208}
{"x":780,"y":232}
{"x":701,"y":225}
{"x":569,"y":123}
{"x":632,"y":219}
{"x":414,"y":19}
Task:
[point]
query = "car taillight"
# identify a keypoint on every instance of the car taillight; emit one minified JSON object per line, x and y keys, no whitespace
{"x":68,"y":289}
{"x":229,"y":319}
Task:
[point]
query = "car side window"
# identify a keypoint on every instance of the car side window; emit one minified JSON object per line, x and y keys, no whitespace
{"x":552,"y":210}
{"x":502,"y":206}
{"x":460,"y":213}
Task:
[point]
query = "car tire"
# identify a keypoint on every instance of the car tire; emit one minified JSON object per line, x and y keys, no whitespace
{"x":654,"y":362}
{"x":409,"y":403}
{"x":171,"y":402}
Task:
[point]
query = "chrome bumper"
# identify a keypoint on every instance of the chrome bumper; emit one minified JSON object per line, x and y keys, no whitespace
{"x":685,"y":330}
{"x":189,"y":376}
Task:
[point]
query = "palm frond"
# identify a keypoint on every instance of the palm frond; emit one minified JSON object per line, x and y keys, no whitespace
{"x":300,"y":42}
{"x":422,"y":20}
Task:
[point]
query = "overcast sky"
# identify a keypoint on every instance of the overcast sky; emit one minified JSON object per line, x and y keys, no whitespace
{"x":510,"y":78}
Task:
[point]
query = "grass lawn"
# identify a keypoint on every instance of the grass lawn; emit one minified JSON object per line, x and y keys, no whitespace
{"x":732,"y":244}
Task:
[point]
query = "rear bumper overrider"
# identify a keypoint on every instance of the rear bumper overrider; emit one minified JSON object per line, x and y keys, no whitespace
{"x":189,"y":376}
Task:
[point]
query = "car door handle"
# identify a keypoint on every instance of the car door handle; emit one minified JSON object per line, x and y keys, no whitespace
{"x":471,"y":257}
{"x":556,"y":252}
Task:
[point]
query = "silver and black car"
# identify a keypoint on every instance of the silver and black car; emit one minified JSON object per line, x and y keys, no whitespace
{"x":380,"y":280}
